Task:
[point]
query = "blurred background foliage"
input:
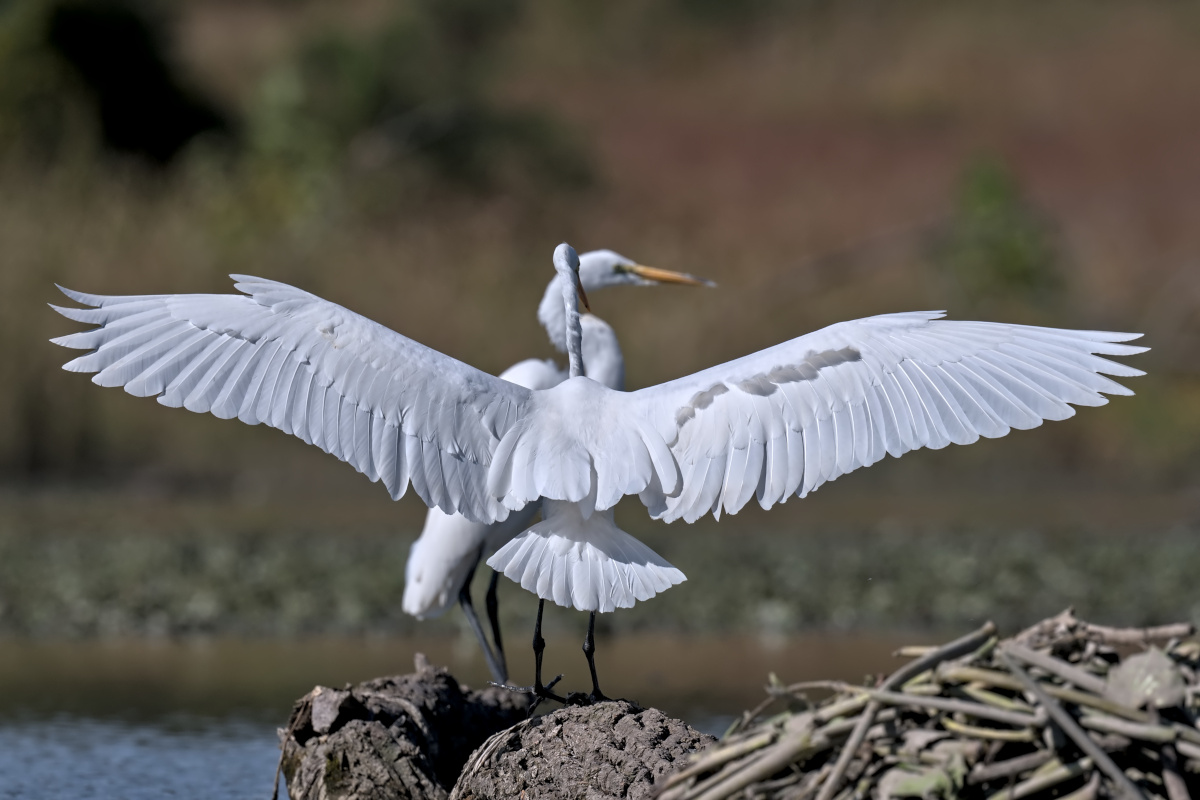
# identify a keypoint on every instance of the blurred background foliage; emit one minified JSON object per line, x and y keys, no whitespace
{"x":998,"y":252}
{"x":417,"y":161}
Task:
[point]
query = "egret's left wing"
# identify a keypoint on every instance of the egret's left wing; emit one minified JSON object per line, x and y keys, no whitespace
{"x":395,"y":410}
{"x":789,"y":418}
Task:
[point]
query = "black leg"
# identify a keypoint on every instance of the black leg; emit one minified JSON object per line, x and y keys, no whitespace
{"x":496,"y":667}
{"x":539,"y":647}
{"x":589,"y":650}
{"x":540,"y":692}
{"x":493,"y":612}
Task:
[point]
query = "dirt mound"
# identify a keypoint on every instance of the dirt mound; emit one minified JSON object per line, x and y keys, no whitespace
{"x":402,"y":736}
{"x":613,"y":749}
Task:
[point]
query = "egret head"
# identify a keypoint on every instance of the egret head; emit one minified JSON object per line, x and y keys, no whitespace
{"x":566,"y":264}
{"x":601,"y":268}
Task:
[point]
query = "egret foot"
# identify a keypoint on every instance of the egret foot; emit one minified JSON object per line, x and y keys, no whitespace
{"x":539,"y":691}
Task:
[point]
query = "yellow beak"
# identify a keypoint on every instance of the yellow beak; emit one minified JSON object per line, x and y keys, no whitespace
{"x":667,"y":276}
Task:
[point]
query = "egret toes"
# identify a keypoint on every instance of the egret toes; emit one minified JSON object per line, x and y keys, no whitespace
{"x":539,"y":691}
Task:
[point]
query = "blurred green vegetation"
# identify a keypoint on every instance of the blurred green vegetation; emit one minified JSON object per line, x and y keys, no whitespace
{"x":44,"y":111}
{"x":406,"y":106}
{"x":414,"y":91}
{"x":254,"y":581}
{"x":999,"y":251}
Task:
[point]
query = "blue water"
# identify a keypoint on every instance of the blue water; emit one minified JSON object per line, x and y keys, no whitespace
{"x":70,"y":757}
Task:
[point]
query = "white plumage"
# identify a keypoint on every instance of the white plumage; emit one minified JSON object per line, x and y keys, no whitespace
{"x":444,"y":557}
{"x":779,"y":422}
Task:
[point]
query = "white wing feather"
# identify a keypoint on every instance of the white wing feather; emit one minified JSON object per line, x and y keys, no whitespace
{"x":395,"y":410}
{"x":787,"y":419}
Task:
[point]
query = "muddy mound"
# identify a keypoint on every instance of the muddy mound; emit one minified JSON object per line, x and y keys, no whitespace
{"x":613,"y":749}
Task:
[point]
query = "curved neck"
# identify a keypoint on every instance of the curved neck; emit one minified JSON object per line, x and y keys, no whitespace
{"x":571,"y":326}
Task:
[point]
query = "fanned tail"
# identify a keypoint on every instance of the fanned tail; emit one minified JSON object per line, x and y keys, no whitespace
{"x":589,"y":564}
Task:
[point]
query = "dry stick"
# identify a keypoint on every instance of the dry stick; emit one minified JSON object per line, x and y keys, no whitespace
{"x":807,"y":786}
{"x":841,"y":708}
{"x":784,"y":753}
{"x":1186,"y":732}
{"x":833,"y":686}
{"x":1017,"y":718}
{"x":914,"y":650}
{"x":993,"y":734}
{"x":1068,"y":672}
{"x":1071,"y":728}
{"x":279,"y":769}
{"x":1161,"y":633}
{"x":928,"y":661}
{"x":1087,"y":792}
{"x":978,"y":693}
{"x":1005,"y":769}
{"x":1160,"y":734}
{"x":689,"y":792}
{"x":748,"y":716}
{"x":714,"y":759}
{"x":1172,"y":779}
{"x":1002,"y":680}
{"x":780,"y":783}
{"x":788,"y":749}
{"x":1063,"y":772}
{"x":290,"y":733}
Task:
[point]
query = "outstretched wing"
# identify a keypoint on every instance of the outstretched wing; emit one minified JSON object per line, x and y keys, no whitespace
{"x":789,"y":418}
{"x":395,"y":410}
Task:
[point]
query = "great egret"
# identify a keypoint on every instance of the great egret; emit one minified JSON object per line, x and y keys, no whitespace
{"x":443,"y":559}
{"x":779,"y":422}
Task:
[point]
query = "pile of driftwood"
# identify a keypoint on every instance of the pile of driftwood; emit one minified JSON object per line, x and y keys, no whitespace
{"x":1065,"y":709}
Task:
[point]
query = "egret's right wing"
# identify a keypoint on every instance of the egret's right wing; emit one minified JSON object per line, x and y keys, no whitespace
{"x":395,"y":410}
{"x":786,"y":419}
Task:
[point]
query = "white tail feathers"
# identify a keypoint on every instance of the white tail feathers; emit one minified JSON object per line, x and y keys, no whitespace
{"x":589,"y":564}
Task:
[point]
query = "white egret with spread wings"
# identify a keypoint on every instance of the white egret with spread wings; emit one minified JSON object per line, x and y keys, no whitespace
{"x":443,"y":559}
{"x":777,"y":423}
